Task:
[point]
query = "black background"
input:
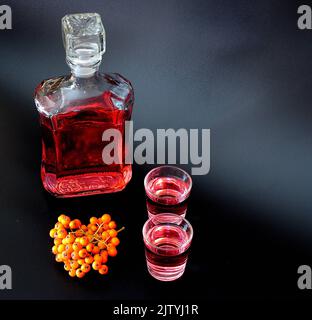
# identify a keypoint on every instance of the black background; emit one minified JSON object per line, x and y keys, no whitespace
{"x":242,"y":69}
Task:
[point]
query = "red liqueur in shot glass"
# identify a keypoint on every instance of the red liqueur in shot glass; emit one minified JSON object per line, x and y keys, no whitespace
{"x":167,"y":238}
{"x":167,"y":189}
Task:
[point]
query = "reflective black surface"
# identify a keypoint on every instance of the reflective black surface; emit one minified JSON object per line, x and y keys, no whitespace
{"x":240,"y":68}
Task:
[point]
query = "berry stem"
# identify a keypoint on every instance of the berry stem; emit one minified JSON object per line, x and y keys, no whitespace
{"x":123,"y":228}
{"x":99,"y":227}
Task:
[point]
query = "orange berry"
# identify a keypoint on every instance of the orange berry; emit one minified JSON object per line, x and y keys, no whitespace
{"x":77,"y":240}
{"x":79,"y":233}
{"x":104,"y":254}
{"x":112,"y":251}
{"x":58,"y":226}
{"x":93,"y":228}
{"x":61,"y":217}
{"x":98,"y":258}
{"x":75,"y":255}
{"x":72,"y":225}
{"x":66,"y":267}
{"x":96,"y":265}
{"x":75,"y":224}
{"x":101,"y":245}
{"x":70,"y":238}
{"x":84,"y":241}
{"x":61,"y":233}
{"x":85,"y":267}
{"x":58,"y":257}
{"x":60,"y":248}
{"x":65,"y":256}
{"x":103,"y":269}
{"x":115,"y":241}
{"x":83,"y":253}
{"x":96,"y":250}
{"x":93,"y":220}
{"x":65,"y":221}
{"x":72,"y":272}
{"x":100,"y":220}
{"x":53,"y":233}
{"x":74,"y":264}
{"x":54,"y":250}
{"x":69,"y":248}
{"x":77,"y":246}
{"x":57,"y":241}
{"x":90,"y":247}
{"x":105,"y":227}
{"x":112,"y":225}
{"x":81,"y":261}
{"x":80,"y":273}
{"x":112,"y":233}
{"x":106,"y":218}
{"x":105,"y":235}
{"x":89,"y":260}
{"x":67,"y":263}
{"x":104,"y":258}
{"x":84,"y":228}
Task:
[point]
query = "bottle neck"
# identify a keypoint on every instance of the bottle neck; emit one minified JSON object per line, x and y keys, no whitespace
{"x":84,"y":72}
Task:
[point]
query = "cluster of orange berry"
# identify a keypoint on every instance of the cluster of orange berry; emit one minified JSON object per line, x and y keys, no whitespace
{"x":82,"y":248}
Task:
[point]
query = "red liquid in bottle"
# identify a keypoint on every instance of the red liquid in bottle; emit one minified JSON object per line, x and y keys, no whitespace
{"x":72,"y":146}
{"x":75,"y":110}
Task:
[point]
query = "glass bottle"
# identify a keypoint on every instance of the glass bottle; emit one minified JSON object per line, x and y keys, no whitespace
{"x":75,"y":110}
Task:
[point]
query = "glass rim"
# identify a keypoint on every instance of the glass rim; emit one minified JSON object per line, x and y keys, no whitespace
{"x":187,"y":193}
{"x":185,"y":244}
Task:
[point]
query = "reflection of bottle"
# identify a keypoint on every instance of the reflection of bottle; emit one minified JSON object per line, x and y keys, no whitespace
{"x":75,"y":111}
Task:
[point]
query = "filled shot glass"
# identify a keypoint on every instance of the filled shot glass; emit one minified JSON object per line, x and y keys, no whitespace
{"x":167,"y":189}
{"x":167,"y":238}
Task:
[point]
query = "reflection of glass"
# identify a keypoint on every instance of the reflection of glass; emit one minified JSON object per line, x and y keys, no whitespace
{"x":167,"y":238}
{"x":154,"y":208}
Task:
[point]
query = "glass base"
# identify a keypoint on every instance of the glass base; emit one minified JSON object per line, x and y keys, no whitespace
{"x":165,"y":273}
{"x":86,"y":184}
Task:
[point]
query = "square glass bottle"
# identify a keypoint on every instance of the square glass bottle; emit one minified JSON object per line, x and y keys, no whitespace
{"x":75,"y":110}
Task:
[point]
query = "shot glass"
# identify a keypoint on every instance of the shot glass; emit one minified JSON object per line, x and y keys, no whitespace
{"x":154,"y":208}
{"x":167,"y":189}
{"x":167,"y":238}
